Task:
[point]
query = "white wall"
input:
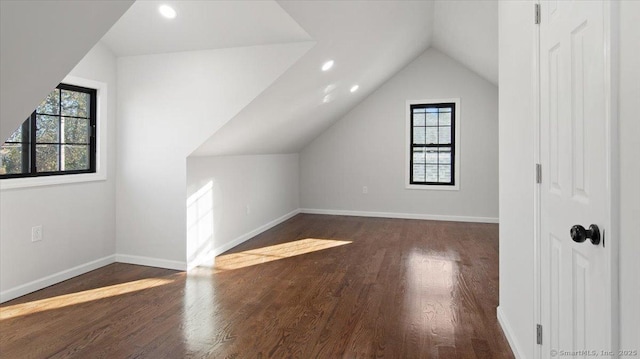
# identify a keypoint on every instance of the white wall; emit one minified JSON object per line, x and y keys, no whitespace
{"x":367,"y":148}
{"x":167,"y":106}
{"x":517,"y":144}
{"x":629,"y":174}
{"x":229,"y":197}
{"x":78,"y":219}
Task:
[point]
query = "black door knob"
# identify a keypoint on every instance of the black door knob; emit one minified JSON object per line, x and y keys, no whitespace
{"x":579,"y":234}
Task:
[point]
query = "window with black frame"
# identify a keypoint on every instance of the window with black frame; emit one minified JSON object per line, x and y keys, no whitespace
{"x":432,"y":146}
{"x":59,"y":138}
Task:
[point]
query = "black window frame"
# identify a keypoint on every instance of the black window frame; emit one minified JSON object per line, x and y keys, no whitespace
{"x":29,"y":164}
{"x":451,"y":145}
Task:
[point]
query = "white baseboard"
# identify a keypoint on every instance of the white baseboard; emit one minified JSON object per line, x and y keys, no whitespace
{"x":203,"y":259}
{"x":47,"y":281}
{"x":508,"y":332}
{"x":207,"y":260}
{"x":54,"y":278}
{"x":432,"y":217}
{"x":151,"y":262}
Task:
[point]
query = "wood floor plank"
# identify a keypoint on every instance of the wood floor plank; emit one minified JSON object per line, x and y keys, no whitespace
{"x":313,"y":287}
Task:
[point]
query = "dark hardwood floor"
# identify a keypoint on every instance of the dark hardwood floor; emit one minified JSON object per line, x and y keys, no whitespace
{"x":312,"y":287}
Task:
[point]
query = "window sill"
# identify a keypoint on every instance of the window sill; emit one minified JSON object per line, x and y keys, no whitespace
{"x":433,"y":187}
{"x":16,"y":183}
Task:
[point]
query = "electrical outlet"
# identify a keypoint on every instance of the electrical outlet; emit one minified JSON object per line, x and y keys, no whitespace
{"x":36,"y":233}
{"x":365,"y":189}
{"x":248,"y":209}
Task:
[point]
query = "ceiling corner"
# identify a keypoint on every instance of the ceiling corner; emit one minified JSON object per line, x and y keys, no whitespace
{"x":467,"y":31}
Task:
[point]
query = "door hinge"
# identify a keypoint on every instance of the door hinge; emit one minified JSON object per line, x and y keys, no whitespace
{"x":536,"y":14}
{"x":539,"y":334}
{"x":538,"y":173}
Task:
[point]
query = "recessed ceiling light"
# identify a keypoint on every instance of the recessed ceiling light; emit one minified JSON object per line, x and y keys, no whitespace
{"x":327,"y":65}
{"x":354,"y":88}
{"x":167,"y":11}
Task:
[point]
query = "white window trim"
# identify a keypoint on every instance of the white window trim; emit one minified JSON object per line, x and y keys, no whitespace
{"x":101,"y":147}
{"x":408,"y":185}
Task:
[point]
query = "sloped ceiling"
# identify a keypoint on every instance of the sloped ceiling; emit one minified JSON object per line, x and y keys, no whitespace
{"x":468,"y":32}
{"x":201,"y":25}
{"x":369,"y":42}
{"x":40,"y":43}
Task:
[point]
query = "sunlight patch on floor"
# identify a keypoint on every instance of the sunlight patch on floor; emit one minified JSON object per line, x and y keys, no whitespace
{"x":66,"y":300}
{"x":272,"y":253}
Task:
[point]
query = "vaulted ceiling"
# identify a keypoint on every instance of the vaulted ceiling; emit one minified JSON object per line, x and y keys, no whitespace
{"x":201,"y":25}
{"x":369,"y":41}
{"x":468,"y":32}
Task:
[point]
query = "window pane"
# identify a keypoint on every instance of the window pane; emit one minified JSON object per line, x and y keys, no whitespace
{"x":51,"y":104}
{"x":444,"y":156}
{"x":432,"y":135}
{"x":10,"y":159}
{"x":75,"y":157}
{"x":445,"y":119}
{"x":418,"y":173}
{"x":47,"y":129}
{"x":432,"y":119}
{"x":75,"y":103}
{"x":418,"y":155}
{"x":55,"y":138}
{"x":47,"y":158}
{"x":76,"y":130}
{"x":432,"y":151}
{"x":445,"y":173}
{"x":432,"y":156}
{"x":418,"y":135}
{"x":432,"y":173}
{"x":16,"y":136}
{"x":445,"y":135}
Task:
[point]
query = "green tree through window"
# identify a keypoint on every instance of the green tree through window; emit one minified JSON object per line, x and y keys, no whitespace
{"x":58,"y":138}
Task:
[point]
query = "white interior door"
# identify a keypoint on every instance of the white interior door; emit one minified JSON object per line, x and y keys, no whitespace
{"x":575,"y":301}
